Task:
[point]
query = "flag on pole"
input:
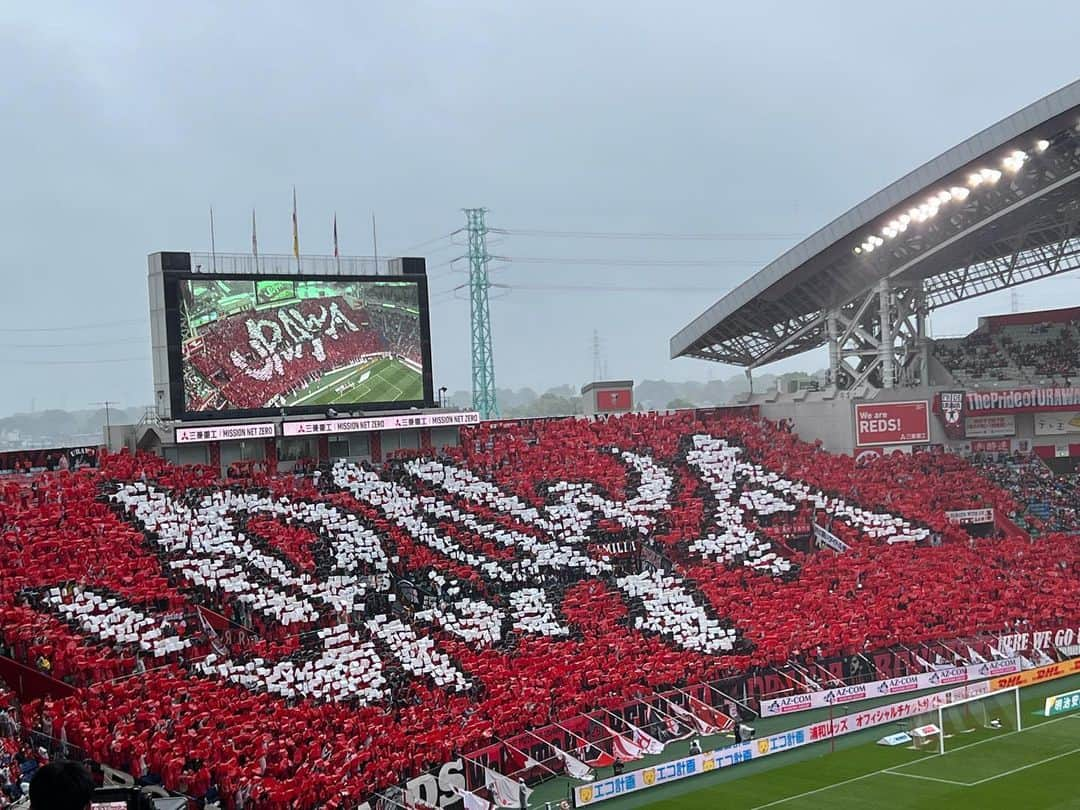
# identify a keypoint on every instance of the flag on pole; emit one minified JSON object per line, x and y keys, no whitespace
{"x":295,"y":228}
{"x":335,"y":236}
{"x":254,"y":237}
{"x":213,"y":247}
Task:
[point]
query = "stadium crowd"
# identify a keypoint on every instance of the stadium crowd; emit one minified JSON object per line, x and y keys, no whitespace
{"x":978,"y":356}
{"x":260,"y":641}
{"x":1054,"y":357}
{"x":1045,"y":501}
{"x":1045,"y":352}
{"x":398,"y":329}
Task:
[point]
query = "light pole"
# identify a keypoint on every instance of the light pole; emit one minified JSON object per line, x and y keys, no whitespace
{"x":108,"y":423}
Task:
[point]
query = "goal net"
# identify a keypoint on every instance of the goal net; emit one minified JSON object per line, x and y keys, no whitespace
{"x":971,"y":720}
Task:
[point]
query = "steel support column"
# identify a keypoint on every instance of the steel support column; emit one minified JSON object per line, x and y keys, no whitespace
{"x":885,"y":334}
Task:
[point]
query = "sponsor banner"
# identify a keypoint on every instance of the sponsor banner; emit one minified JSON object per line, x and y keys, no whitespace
{"x":1029,"y":677}
{"x":842,"y":695}
{"x":653,"y":776}
{"x":396,"y":422}
{"x":886,"y":423}
{"x":991,"y":446}
{"x":970,"y":517}
{"x":1057,"y":424}
{"x":899,"y":686}
{"x":827,"y":538}
{"x":225,"y":433}
{"x":990,"y":425}
{"x":1062,"y":704}
{"x":1019,"y":400}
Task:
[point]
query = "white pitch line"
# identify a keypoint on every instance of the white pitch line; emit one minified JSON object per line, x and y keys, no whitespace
{"x":1025,"y":767}
{"x":891,"y":768}
{"x":331,"y":384}
{"x":390,"y":384}
{"x":891,"y":772}
{"x":818,"y":790}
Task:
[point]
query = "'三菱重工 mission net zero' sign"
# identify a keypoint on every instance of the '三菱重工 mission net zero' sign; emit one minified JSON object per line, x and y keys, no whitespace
{"x":396,"y":422}
{"x":226,"y":433}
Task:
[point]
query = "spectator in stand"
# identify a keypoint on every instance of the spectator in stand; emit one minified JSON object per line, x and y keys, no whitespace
{"x":1046,"y":502}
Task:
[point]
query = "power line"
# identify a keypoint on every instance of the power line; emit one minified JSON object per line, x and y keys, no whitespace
{"x":607,"y":288}
{"x":631,"y":262}
{"x":74,"y":362}
{"x":651,"y":235}
{"x":101,"y":325}
{"x":444,"y":295}
{"x":427,"y":242}
{"x":80,"y":344}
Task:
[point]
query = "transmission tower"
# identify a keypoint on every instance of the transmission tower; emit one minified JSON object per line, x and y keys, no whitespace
{"x":483,"y":362}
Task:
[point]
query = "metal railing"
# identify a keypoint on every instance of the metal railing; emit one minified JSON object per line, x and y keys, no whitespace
{"x":287,"y":264}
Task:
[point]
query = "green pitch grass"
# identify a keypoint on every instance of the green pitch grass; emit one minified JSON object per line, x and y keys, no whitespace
{"x":1036,"y":768}
{"x":388,"y":380}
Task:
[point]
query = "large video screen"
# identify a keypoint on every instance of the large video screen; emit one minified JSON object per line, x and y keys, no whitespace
{"x":302,"y":344}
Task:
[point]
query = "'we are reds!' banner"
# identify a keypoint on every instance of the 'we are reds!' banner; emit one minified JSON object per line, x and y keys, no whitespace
{"x":884,"y":423}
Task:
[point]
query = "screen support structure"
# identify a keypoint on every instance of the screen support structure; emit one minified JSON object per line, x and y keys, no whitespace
{"x":483,"y":361}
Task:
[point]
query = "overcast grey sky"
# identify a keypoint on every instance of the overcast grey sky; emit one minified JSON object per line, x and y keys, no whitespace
{"x":124,"y":122}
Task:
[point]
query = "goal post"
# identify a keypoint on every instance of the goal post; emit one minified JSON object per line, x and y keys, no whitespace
{"x":972,"y":719}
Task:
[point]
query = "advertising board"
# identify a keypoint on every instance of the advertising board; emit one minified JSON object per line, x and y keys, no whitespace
{"x":1029,"y":677}
{"x":842,"y":695}
{"x":990,"y":426}
{"x":1057,"y":424}
{"x":221,"y":433}
{"x":395,"y":422}
{"x":885,"y":423}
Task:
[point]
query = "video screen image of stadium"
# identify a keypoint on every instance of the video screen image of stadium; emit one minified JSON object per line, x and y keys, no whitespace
{"x":251,"y":344}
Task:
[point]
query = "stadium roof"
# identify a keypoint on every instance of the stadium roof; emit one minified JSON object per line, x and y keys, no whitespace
{"x":999,"y":209}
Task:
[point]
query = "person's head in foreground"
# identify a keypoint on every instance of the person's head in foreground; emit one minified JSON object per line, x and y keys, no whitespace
{"x":61,"y":786}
